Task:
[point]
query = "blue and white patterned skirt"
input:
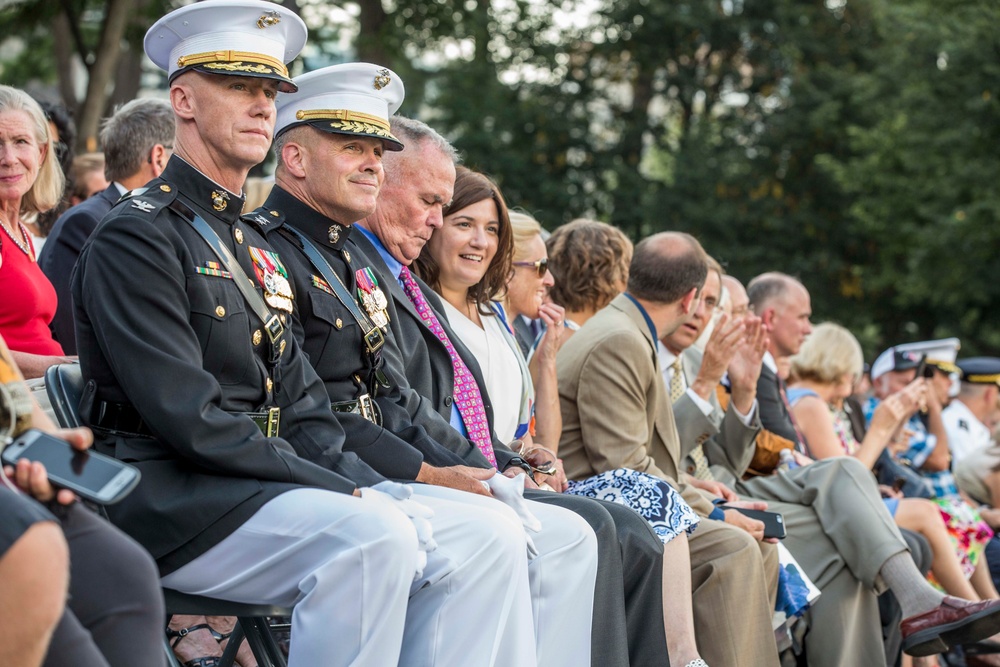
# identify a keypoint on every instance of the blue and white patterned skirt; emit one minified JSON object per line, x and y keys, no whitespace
{"x":655,"y":500}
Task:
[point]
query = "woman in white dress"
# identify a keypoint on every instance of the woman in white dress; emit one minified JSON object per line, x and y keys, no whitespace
{"x":469,"y":262}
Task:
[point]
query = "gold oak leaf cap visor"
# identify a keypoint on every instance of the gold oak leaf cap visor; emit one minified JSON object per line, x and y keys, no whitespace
{"x":231,"y":37}
{"x":352,"y":98}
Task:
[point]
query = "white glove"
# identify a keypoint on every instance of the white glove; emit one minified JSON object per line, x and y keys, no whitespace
{"x":399,"y":496}
{"x":510,"y":491}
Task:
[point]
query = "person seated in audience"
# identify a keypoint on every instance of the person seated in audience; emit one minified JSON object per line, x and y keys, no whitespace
{"x":969,"y":419}
{"x":925,"y":449}
{"x":823,"y":376}
{"x":51,"y":548}
{"x":31,"y":182}
{"x":247,"y":492}
{"x":466,"y":261}
{"x":340,"y":320}
{"x":589,"y":265}
{"x":440,"y":386}
{"x":86,"y":177}
{"x":137,"y":140}
{"x":848,"y":562}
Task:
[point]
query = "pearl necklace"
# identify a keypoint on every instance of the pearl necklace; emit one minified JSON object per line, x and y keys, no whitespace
{"x":25,"y":247}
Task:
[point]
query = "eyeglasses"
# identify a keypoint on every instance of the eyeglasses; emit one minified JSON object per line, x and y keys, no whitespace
{"x":540,"y":459}
{"x":541,"y":266}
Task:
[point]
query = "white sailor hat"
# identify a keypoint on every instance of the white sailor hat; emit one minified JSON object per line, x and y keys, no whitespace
{"x":938,"y":353}
{"x":353,"y":98}
{"x":235,"y":37}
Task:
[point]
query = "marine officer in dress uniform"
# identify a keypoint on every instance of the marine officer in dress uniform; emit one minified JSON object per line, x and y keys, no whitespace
{"x":192,"y":374}
{"x":330,"y":136}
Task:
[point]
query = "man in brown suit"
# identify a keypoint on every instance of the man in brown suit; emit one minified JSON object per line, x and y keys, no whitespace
{"x":616,"y":414}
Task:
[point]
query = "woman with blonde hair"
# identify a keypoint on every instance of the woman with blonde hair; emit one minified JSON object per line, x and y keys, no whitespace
{"x":31,"y":181}
{"x":823,"y":375}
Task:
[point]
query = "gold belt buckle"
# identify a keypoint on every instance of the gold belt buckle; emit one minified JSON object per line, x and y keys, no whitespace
{"x":367,"y":408}
{"x":273,"y":422}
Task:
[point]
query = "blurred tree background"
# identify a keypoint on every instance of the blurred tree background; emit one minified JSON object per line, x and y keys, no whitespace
{"x":853,"y":143}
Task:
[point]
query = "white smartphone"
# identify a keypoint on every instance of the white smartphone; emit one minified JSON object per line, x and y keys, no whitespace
{"x":92,"y":476}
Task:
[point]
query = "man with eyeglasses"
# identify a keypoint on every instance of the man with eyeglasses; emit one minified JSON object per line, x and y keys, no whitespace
{"x":702,"y":423}
{"x":137,"y":140}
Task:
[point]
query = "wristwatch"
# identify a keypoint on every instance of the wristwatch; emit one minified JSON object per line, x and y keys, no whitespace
{"x":520,"y":463}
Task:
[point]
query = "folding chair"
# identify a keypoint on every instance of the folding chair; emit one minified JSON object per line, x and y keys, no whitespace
{"x":64,"y":385}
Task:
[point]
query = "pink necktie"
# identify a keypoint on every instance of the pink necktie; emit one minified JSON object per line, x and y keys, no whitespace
{"x":468,"y":399}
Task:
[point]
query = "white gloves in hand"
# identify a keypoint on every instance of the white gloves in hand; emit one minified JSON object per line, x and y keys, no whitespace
{"x":510,"y":491}
{"x":399,"y":495}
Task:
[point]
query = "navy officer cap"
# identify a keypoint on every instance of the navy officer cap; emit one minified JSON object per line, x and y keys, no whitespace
{"x":980,"y":370}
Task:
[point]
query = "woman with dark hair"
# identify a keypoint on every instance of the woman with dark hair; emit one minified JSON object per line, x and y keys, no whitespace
{"x":469,"y":262}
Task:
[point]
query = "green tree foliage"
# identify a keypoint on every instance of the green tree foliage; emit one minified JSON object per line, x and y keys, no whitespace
{"x":853,"y":144}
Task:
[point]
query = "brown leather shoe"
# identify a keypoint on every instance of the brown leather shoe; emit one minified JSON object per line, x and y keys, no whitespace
{"x":954,"y":621}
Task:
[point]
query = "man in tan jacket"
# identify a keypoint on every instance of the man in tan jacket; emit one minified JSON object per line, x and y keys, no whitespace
{"x":616,"y":414}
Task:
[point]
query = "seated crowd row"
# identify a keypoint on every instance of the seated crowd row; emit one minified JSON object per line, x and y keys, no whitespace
{"x":439,"y":434}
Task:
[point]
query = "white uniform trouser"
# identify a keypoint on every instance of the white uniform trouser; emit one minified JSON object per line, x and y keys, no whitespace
{"x":463,"y":610}
{"x":346,"y":563}
{"x":562,"y":576}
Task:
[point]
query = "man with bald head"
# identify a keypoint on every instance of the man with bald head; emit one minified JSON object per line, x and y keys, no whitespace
{"x":426,"y":358}
{"x":616,"y":414}
{"x":783,"y":305}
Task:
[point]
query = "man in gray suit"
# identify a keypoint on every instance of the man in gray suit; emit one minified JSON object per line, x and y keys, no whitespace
{"x":838,"y":528}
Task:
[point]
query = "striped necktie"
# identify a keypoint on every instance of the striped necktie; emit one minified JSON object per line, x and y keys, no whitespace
{"x":677,"y":389}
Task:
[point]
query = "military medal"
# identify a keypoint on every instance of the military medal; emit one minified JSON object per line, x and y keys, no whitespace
{"x":372,"y":297}
{"x":271,"y":274}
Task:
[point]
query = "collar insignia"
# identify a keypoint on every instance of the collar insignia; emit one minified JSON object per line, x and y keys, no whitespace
{"x":220,"y":200}
{"x":333,"y":233}
{"x":143,"y":206}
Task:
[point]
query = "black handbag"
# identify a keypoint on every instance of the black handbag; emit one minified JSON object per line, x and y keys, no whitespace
{"x":891,"y":472}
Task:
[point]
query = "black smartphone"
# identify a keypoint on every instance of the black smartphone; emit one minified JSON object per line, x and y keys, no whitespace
{"x":90,"y":475}
{"x":774,"y":523}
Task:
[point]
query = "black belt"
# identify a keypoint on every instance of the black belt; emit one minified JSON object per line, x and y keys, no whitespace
{"x":124,"y":418}
{"x":363,"y":406}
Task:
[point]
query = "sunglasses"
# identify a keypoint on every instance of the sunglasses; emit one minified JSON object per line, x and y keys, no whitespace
{"x":541,"y":266}
{"x":540,"y":459}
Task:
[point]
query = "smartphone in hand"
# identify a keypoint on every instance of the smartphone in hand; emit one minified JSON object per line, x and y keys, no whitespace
{"x":92,"y":476}
{"x":774,"y":523}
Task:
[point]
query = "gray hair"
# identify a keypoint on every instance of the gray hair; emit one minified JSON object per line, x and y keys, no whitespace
{"x":413,"y":132}
{"x":769,"y":287}
{"x":128,"y":136}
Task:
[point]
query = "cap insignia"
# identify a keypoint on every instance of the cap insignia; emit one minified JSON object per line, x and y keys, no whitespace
{"x":382,"y":79}
{"x":268,"y":18}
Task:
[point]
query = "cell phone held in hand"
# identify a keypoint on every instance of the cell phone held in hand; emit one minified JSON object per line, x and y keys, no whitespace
{"x":92,"y":476}
{"x":774,"y":523}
